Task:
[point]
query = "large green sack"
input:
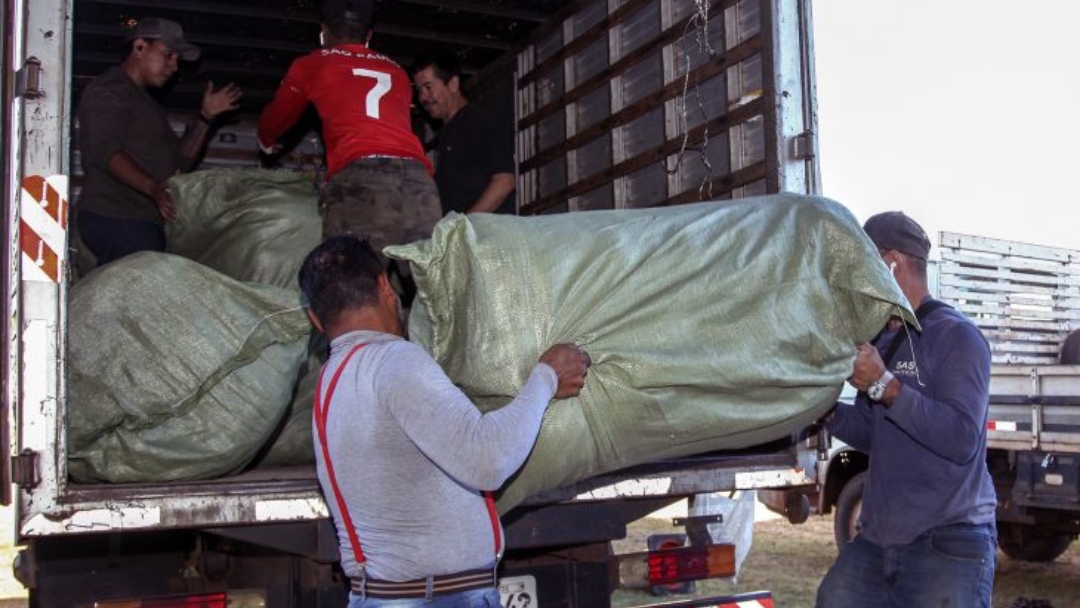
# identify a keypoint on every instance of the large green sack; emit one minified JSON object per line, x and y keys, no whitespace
{"x":254,"y":225}
{"x":292,"y":442}
{"x":711,"y":326}
{"x":176,"y":371}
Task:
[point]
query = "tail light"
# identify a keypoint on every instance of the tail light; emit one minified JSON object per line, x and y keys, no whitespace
{"x":207,"y":600}
{"x":231,"y":599}
{"x":669,"y":566}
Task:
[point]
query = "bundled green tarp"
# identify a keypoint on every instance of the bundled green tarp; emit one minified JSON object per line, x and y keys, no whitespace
{"x":292,"y":443}
{"x":177,"y":372}
{"x":254,"y":225}
{"x":711,"y":326}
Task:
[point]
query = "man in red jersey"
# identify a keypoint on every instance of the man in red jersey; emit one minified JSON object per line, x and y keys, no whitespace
{"x":379,"y":184}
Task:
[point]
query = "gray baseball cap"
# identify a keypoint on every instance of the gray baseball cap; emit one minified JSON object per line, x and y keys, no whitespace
{"x":896,"y":231}
{"x":168,"y":32}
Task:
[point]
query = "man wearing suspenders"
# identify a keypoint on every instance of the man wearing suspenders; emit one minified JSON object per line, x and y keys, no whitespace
{"x":927,"y":534}
{"x":406,"y":461}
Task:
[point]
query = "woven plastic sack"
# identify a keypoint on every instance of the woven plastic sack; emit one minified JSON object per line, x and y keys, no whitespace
{"x":177,"y":372}
{"x":292,"y":444}
{"x":254,"y":225}
{"x":711,"y":326}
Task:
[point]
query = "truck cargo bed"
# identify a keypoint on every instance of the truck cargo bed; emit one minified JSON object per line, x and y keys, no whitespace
{"x":1035,"y":408}
{"x":282,"y":494}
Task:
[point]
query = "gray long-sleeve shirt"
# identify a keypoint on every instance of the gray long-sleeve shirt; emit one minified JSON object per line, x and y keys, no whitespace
{"x":412,"y":454}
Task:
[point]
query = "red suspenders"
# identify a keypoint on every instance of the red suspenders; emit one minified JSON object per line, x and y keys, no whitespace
{"x":320,"y":412}
{"x":321,"y":409}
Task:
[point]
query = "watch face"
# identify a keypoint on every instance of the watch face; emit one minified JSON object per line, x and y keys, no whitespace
{"x":876,"y":391}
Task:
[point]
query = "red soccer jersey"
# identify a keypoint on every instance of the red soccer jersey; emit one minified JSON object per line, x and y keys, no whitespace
{"x":363,"y":99}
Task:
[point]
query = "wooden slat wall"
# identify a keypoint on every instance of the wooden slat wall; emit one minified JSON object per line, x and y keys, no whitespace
{"x":1025,"y":298}
{"x":743,"y":173}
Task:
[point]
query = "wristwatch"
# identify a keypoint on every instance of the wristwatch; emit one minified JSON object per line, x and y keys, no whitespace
{"x":876,"y":391}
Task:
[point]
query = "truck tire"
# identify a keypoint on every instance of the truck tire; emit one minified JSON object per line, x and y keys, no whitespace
{"x":1028,"y":543}
{"x":848,"y":507}
{"x":1070,"y":349}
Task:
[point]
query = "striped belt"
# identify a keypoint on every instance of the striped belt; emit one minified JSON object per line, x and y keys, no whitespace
{"x":444,"y":584}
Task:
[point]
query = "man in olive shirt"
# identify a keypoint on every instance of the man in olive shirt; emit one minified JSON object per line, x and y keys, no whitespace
{"x":129,"y":150}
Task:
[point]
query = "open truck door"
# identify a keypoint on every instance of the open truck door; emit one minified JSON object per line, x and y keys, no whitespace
{"x":7,"y":375}
{"x":35,"y":123}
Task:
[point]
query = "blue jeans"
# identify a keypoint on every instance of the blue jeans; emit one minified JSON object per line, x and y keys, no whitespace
{"x":947,"y":566}
{"x":477,"y":598}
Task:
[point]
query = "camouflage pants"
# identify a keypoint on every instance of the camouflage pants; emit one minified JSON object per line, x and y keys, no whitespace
{"x":389,"y":201}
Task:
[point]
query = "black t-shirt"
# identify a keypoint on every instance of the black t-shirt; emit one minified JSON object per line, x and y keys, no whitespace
{"x":470,"y":149}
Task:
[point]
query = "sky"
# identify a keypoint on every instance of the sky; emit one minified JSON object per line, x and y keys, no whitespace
{"x":964,"y":114}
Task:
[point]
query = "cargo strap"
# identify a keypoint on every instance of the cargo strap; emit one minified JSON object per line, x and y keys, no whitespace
{"x":321,"y":412}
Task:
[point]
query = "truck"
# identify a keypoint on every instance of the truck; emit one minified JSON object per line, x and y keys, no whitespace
{"x":1024,"y":298}
{"x":615,"y":104}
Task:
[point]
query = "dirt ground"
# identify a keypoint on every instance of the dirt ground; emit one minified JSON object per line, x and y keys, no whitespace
{"x":790,"y":560}
{"x":12,"y":593}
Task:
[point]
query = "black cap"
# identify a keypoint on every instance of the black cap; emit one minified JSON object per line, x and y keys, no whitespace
{"x":168,"y":32}
{"x":360,"y":11}
{"x":896,"y":231}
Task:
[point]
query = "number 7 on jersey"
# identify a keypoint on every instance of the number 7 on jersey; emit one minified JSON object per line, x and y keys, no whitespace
{"x":382,"y":87}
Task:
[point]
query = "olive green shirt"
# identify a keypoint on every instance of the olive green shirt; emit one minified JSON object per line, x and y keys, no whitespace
{"x":115,"y":115}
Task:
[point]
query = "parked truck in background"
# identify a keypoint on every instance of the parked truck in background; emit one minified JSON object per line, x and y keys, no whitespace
{"x":1026,"y":300}
{"x":616,"y":104}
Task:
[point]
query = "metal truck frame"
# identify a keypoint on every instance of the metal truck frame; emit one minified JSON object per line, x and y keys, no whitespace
{"x":264,"y":536}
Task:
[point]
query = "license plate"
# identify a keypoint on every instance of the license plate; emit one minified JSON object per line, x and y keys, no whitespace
{"x":518,"y":592}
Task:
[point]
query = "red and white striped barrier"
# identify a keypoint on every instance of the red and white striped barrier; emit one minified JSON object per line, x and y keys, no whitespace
{"x":759,"y":603}
{"x":759,"y":599}
{"x":1000,"y":425}
{"x":43,"y":222}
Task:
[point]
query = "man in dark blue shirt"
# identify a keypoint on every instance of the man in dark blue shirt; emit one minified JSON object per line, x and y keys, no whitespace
{"x":927,"y":533}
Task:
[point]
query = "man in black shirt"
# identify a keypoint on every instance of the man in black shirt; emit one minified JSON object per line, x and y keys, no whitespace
{"x":474,"y":164}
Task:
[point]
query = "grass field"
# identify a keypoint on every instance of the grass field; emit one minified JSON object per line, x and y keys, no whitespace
{"x":790,"y":560}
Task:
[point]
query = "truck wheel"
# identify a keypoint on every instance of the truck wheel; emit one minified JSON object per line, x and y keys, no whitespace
{"x":848,"y":507}
{"x":1070,"y":349}
{"x":1028,"y":543}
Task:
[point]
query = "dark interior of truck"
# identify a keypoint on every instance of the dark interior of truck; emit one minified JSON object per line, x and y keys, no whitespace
{"x":252,"y":42}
